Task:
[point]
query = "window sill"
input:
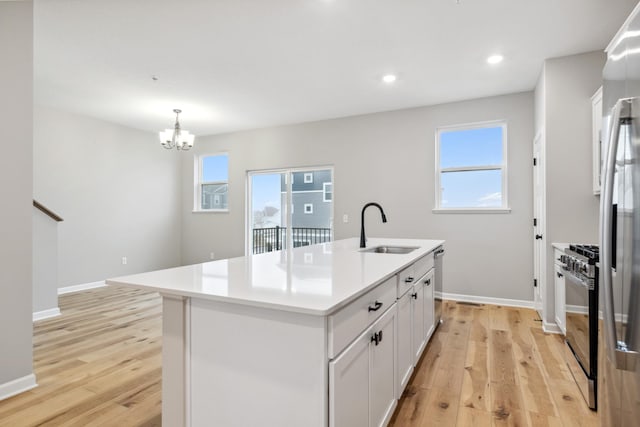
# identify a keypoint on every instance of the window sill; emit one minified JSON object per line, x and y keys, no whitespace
{"x":210,"y":211}
{"x":472,"y":211}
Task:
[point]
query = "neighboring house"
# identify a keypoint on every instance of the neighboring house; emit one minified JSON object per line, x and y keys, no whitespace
{"x":214,"y":197}
{"x":311,"y":210}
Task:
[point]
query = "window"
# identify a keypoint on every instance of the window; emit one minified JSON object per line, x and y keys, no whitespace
{"x":211,"y":186}
{"x":308,"y":178}
{"x":273,"y":223}
{"x":471,"y":168}
{"x":327,"y":192}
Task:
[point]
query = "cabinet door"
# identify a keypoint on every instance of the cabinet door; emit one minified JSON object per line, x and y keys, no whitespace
{"x":349,"y":386}
{"x":417,"y":312}
{"x":405,"y":348}
{"x":383,"y":370}
{"x":558,"y":282}
{"x":429,"y":317}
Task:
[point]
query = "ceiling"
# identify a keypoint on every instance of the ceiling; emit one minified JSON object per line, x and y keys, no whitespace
{"x":241,"y":64}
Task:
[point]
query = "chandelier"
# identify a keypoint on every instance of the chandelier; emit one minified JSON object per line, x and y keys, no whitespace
{"x":176,"y":138}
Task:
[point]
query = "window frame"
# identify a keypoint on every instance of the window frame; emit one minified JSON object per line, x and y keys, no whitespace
{"x":504,"y":208}
{"x":310,"y":211}
{"x":198,"y":183}
{"x":325,"y":192}
{"x":308,"y":175}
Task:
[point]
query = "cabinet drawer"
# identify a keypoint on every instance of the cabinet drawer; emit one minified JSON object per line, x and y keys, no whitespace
{"x":423,"y":265}
{"x":346,"y":324}
{"x":406,"y":279}
{"x":556,"y":256}
{"x":409,"y":276}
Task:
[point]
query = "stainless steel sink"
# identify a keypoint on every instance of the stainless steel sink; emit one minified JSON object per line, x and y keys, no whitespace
{"x":391,"y":249}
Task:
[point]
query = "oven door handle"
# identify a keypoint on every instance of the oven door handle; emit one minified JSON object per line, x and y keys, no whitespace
{"x":583,"y":283}
{"x":618,"y":352}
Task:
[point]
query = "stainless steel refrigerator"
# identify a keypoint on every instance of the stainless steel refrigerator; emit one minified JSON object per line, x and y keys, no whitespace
{"x":619,"y":378}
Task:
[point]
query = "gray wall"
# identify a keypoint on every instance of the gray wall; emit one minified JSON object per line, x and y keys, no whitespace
{"x":45,"y":262}
{"x":118,"y":191}
{"x":390,"y":158}
{"x":572,"y":211}
{"x":16,"y":113}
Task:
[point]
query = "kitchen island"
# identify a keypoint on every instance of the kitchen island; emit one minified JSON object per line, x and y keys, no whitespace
{"x":271,"y":339}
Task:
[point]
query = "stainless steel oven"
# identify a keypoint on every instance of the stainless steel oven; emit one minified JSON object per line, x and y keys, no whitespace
{"x":581,"y":299}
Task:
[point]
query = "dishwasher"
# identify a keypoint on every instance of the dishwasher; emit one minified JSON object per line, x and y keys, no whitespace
{"x":437,"y":291}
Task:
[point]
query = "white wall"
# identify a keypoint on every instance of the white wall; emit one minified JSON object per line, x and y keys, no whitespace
{"x":386,"y":157}
{"x":16,"y":118}
{"x":118,"y":191}
{"x":45,"y":263}
{"x":572,"y":211}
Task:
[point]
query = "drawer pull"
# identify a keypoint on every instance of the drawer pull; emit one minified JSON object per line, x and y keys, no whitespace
{"x":414,"y":295}
{"x":427,"y":282}
{"x":408,"y":279}
{"x":376,"y":306}
{"x":560,"y":275}
{"x":376,"y":337}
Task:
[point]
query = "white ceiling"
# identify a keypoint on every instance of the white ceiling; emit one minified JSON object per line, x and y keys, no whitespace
{"x":242,"y":64}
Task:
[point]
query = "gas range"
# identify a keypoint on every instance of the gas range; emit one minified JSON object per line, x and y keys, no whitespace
{"x":581,"y":308}
{"x":582,"y":261}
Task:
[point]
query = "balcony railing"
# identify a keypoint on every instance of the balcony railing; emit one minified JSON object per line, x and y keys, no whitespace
{"x":275,"y":238}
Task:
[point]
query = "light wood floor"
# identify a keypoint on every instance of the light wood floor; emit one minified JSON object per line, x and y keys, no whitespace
{"x":96,"y":365}
{"x":99,"y":364}
{"x":488,"y":365}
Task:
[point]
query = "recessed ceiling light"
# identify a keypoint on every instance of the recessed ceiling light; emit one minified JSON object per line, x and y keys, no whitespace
{"x":495,"y":59}
{"x":389,"y":78}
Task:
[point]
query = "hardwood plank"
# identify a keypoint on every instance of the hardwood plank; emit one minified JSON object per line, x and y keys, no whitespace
{"x":441,"y":408}
{"x":411,"y":407}
{"x":539,"y":420}
{"x":475,"y":384}
{"x":473,"y":418}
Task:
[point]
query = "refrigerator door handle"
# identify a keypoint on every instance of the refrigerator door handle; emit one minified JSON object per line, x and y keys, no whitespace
{"x":618,"y":352}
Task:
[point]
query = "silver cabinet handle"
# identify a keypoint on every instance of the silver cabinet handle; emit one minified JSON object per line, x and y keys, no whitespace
{"x":618,"y":352}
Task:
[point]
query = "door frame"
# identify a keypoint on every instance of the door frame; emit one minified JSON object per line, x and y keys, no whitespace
{"x":539,"y":213}
{"x":249,"y":205}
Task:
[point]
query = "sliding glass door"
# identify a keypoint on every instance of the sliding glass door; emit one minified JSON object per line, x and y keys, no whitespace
{"x":289,"y":208}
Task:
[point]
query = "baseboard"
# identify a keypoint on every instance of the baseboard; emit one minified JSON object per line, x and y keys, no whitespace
{"x":551,"y":328}
{"x":576,"y":309}
{"x":488,"y":300}
{"x":82,"y":287}
{"x":17,"y":386}
{"x":46,"y":314}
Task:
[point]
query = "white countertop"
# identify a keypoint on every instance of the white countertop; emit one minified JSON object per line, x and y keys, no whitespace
{"x":560,"y":246}
{"x":317,"y":279}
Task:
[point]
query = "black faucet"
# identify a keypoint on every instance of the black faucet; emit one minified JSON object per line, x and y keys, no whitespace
{"x":363,"y":239}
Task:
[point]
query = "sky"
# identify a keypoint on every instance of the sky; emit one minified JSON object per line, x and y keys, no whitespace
{"x":265,"y":191}
{"x":472,"y":147}
{"x":215,"y":168}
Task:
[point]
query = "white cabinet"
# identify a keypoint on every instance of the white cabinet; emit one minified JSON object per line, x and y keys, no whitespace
{"x":374,"y":344}
{"x":362,"y":378}
{"x":405,"y":348}
{"x":559,"y":285}
{"x":415,"y":325}
{"x":596,"y":130}
{"x":382,"y":360}
{"x":429,"y":304}
{"x":423,"y":313}
{"x":417,"y":315}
